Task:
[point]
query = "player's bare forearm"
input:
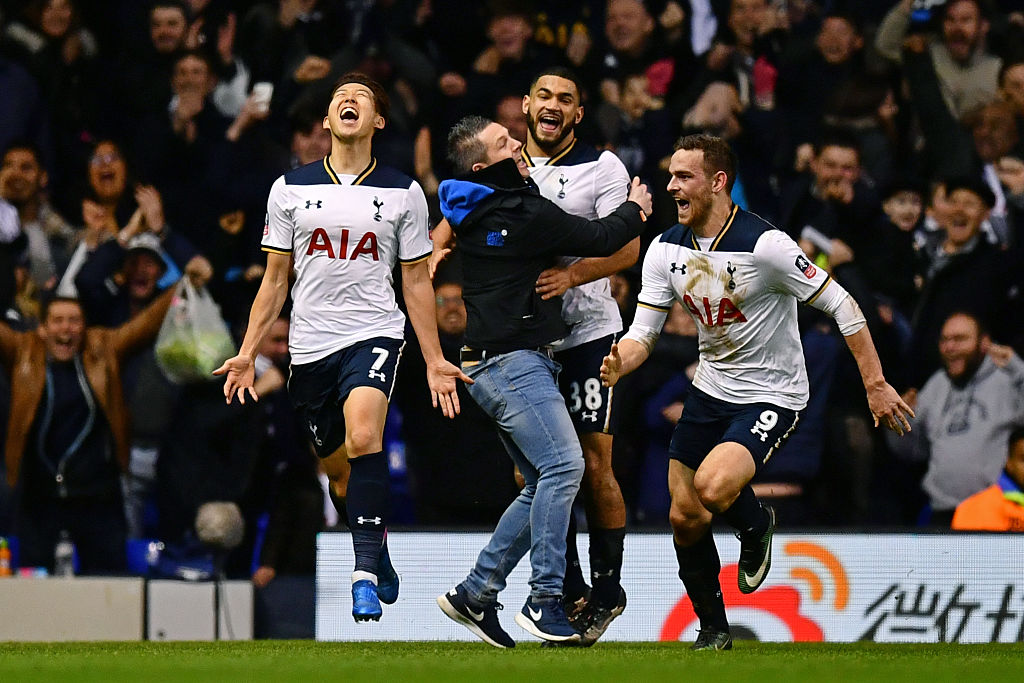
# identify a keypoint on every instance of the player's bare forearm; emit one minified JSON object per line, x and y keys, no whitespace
{"x":885,"y":404}
{"x":419,"y":302}
{"x":594,"y":268}
{"x":557,"y":281}
{"x":268,"y":303}
{"x":624,"y":357}
{"x":633,"y":355}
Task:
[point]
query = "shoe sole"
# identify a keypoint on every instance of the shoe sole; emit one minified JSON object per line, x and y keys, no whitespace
{"x":366,"y":617}
{"x":587,"y":642}
{"x":527,"y":624}
{"x":741,"y":579}
{"x":449,"y":609}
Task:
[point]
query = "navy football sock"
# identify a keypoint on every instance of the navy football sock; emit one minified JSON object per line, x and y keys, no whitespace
{"x":746,"y":514}
{"x":368,"y":502}
{"x":606,"y":564}
{"x":574,"y":586}
{"x":698,"y":568}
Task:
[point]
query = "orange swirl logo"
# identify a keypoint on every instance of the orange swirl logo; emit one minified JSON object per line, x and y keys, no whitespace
{"x":782,"y":602}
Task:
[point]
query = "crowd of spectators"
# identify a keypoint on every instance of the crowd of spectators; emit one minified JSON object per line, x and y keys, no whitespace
{"x":883,"y":135}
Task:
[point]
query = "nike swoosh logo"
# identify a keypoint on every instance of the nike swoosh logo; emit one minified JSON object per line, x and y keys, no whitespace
{"x":478,"y":616}
{"x":535,"y":614}
{"x":755,"y":578}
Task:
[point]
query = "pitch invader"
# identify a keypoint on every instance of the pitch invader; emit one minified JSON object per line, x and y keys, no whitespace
{"x":341,"y":224}
{"x":740,"y":278}
{"x":591,"y":184}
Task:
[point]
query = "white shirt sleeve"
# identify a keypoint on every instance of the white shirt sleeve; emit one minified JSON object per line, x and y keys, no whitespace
{"x":414,"y":229}
{"x":279,"y":228}
{"x":611,"y":184}
{"x":787,"y":269}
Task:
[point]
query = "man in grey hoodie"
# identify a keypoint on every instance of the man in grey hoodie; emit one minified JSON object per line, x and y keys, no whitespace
{"x":965,"y":413}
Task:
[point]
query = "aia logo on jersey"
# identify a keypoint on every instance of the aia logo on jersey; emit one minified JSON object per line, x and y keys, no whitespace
{"x":728,"y":312}
{"x":805,"y":267}
{"x":266,"y":224}
{"x":320,"y":241}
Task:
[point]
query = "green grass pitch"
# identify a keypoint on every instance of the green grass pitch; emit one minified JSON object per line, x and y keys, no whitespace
{"x":282,"y":661}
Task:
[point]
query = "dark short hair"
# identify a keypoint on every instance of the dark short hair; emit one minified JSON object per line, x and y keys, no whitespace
{"x":380,"y":96}
{"x":49,"y":301}
{"x":170,"y":4}
{"x":304,"y":115}
{"x":559,"y":72}
{"x":201,"y":55}
{"x":1016,"y":435}
{"x":718,"y":155}
{"x":849,"y":17}
{"x":26,"y":145}
{"x":983,"y":9}
{"x":464,"y":145}
{"x":838,"y":137}
{"x":976,"y":186}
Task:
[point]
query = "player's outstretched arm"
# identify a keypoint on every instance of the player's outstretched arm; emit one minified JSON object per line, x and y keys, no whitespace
{"x":441,"y":375}
{"x":443,"y":238}
{"x":240,"y":372}
{"x":886,"y":405}
{"x":624,"y":358}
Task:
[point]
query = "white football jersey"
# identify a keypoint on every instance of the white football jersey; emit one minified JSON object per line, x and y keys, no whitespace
{"x":345,"y":233}
{"x":591,"y":184}
{"x":742,"y":293}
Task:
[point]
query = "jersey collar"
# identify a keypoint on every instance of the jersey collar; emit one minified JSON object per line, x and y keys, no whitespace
{"x":721,"y":233}
{"x":359,"y":178}
{"x":552,"y":161}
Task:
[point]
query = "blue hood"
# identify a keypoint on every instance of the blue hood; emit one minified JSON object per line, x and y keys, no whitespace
{"x":460,"y":197}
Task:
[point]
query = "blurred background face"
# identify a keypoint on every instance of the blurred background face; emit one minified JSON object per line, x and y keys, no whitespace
{"x":962,"y":28}
{"x":21,"y":177}
{"x":838,"y":40}
{"x":836,"y":164}
{"x":995,"y":132}
{"x":142,"y":270}
{"x":62,"y":330}
{"x":56,"y":18}
{"x":192,"y":75}
{"x":311,"y":145}
{"x":275,"y":344}
{"x":510,"y":35}
{"x":966,"y":213}
{"x":107,"y":172}
{"x":960,"y":345}
{"x":1015,"y":463}
{"x":167,"y":29}
{"x":1012,"y":87}
{"x":635,"y":99}
{"x":451,"y":309}
{"x":627,"y":25}
{"x":509,"y":113}
{"x":903,"y":209}
{"x":745,"y":18}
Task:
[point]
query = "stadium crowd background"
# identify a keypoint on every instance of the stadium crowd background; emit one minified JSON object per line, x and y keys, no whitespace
{"x":884,"y":136}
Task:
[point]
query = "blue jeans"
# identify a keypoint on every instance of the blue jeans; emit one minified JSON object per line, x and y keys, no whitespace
{"x":519,"y":391}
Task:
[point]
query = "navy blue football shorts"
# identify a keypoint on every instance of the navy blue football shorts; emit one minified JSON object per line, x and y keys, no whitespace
{"x":707,"y":421}
{"x":318,"y":390}
{"x":590,"y":404}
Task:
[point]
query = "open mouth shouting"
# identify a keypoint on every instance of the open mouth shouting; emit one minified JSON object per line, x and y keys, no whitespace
{"x":549,"y":123}
{"x":348,"y":113}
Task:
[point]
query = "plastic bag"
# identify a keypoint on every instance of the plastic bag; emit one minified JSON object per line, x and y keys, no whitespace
{"x":193,"y":340}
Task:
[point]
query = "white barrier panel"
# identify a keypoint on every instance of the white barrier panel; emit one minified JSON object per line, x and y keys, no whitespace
{"x":822,"y":587}
{"x":82,"y":608}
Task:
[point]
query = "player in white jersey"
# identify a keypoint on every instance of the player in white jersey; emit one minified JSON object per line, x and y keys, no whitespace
{"x":591,"y":184}
{"x":341,"y":224}
{"x":740,"y":278}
